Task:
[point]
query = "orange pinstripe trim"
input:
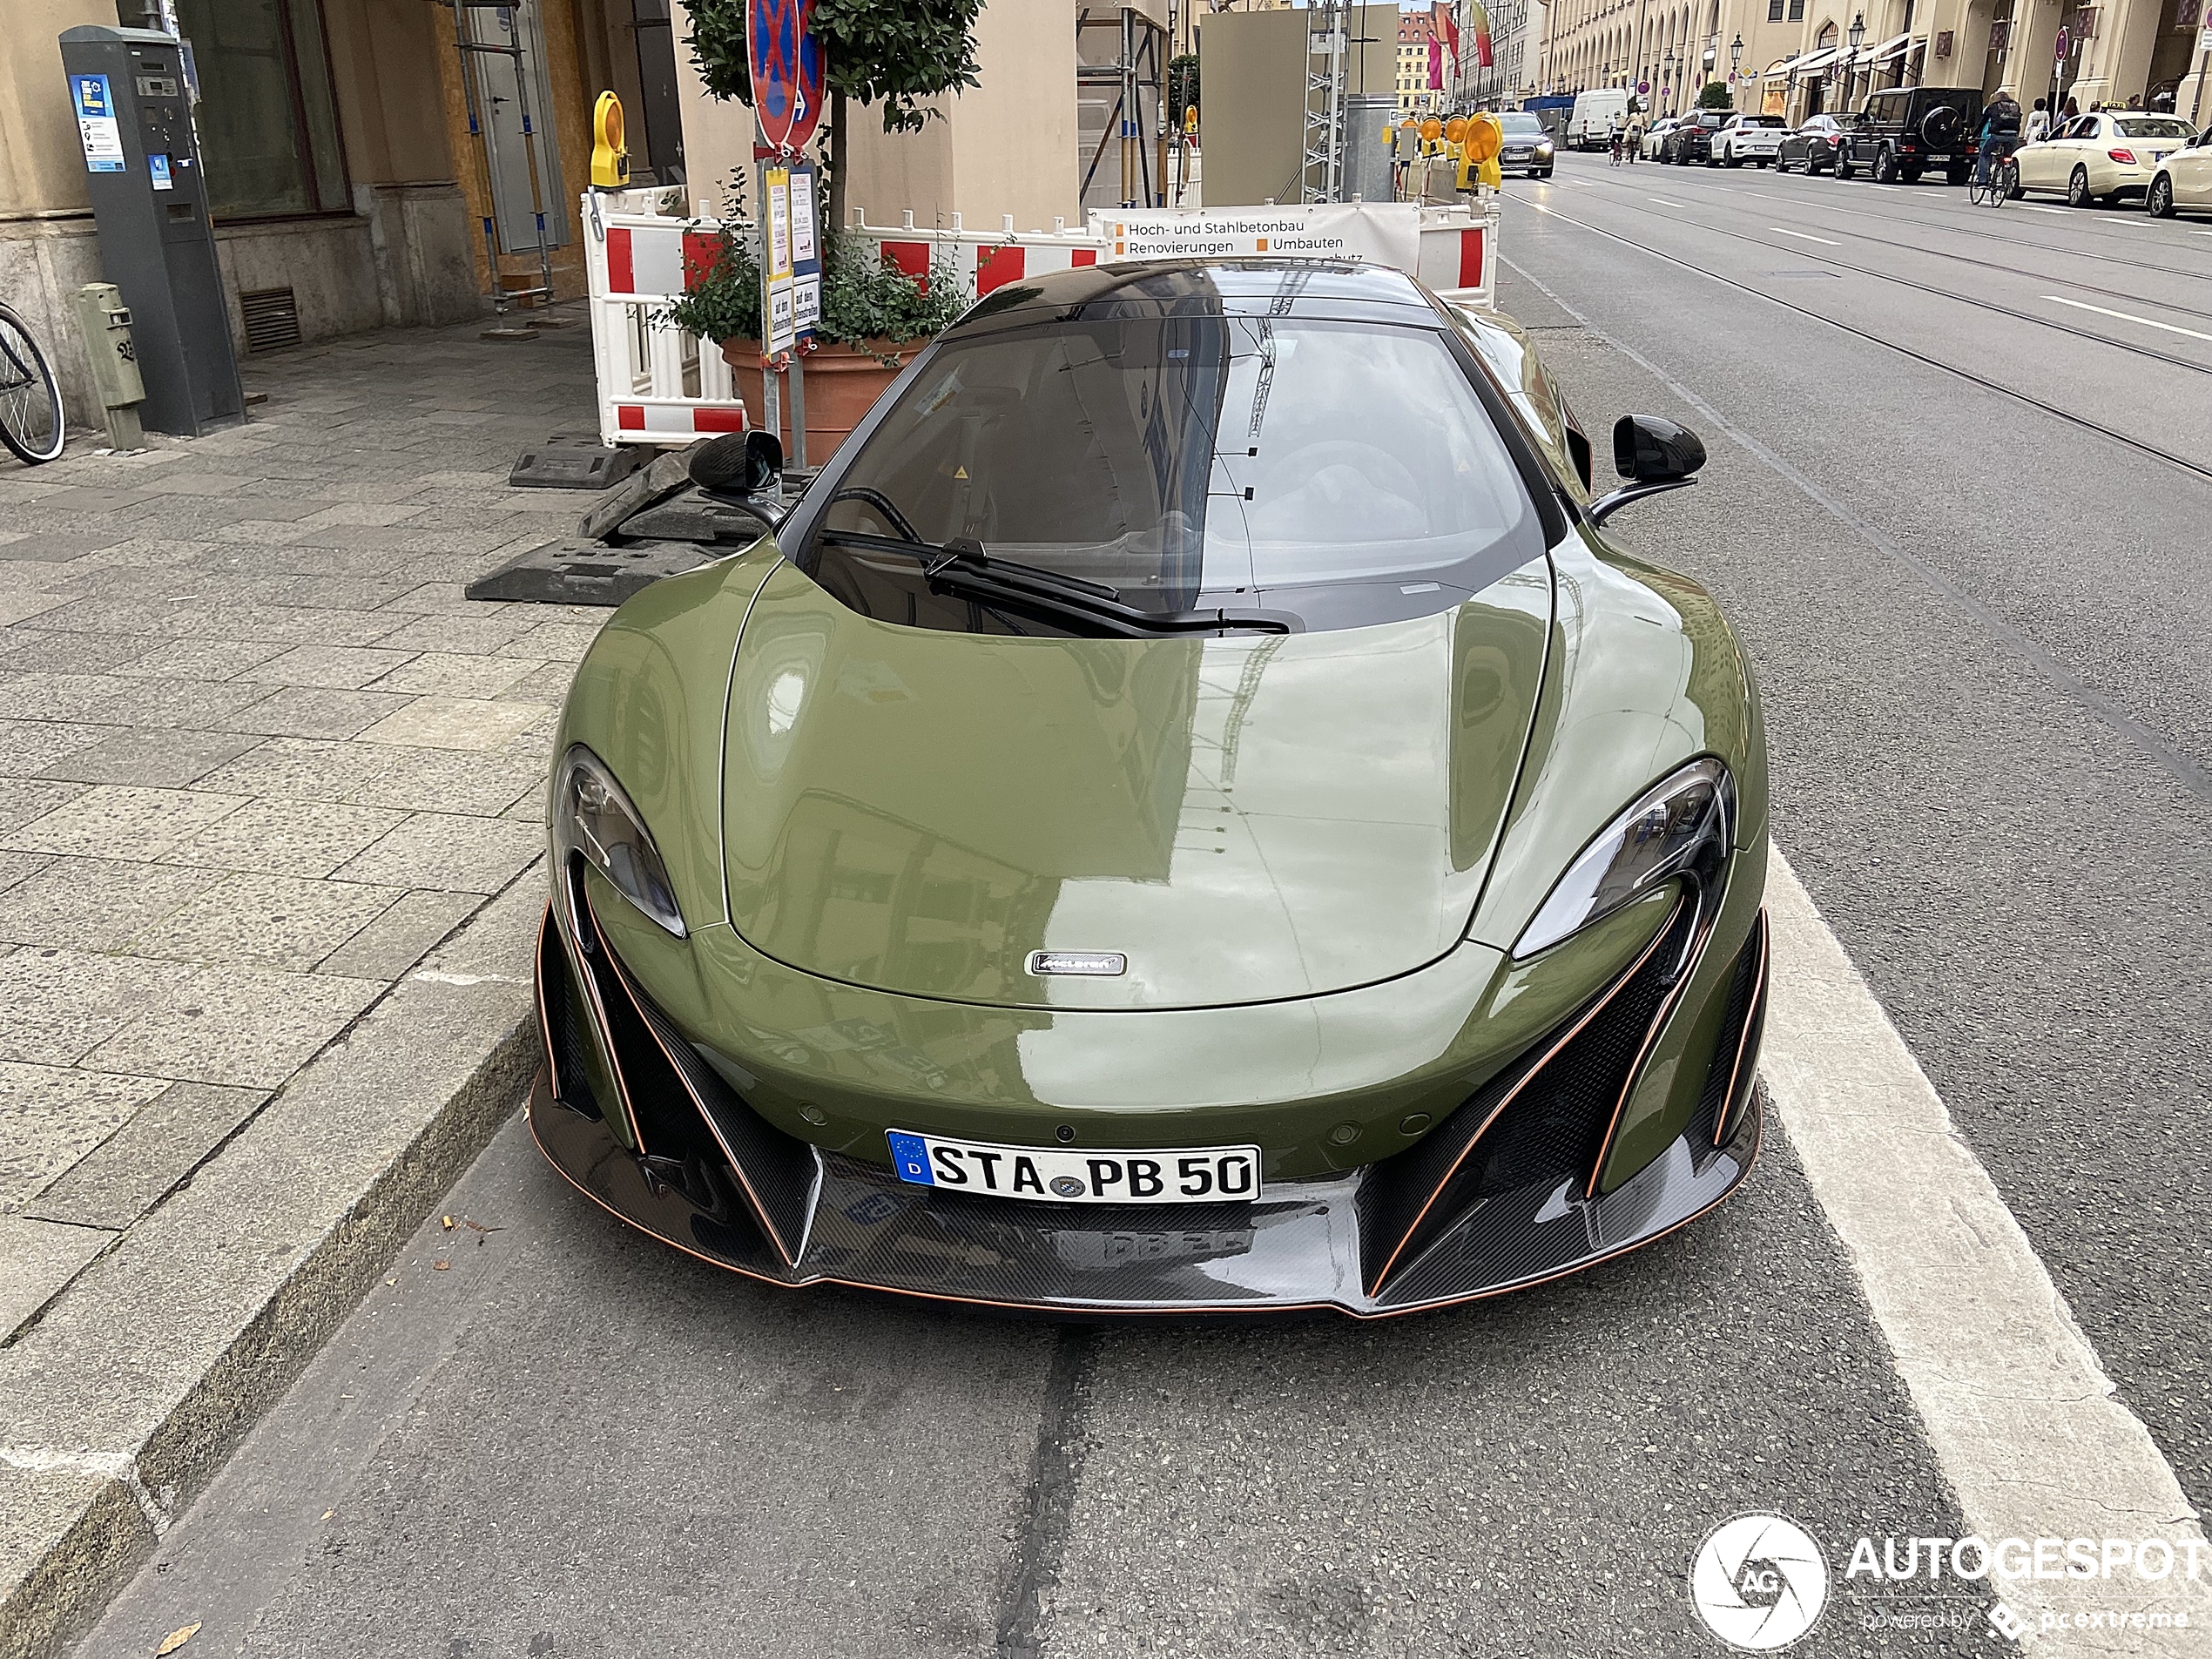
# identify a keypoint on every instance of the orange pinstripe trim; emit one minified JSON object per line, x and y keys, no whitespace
{"x":1513,"y":1093}
{"x":1194,"y":1308}
{"x":752,"y":1197}
{"x":599,"y":1009}
{"x":1752,"y":1007}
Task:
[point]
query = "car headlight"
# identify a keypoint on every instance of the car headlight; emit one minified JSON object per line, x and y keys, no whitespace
{"x":593,"y":818}
{"x":1543,"y":149}
{"x":1680,"y":827}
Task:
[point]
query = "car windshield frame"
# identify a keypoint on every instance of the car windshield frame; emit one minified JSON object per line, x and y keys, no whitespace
{"x":1325,"y":583}
{"x":1520,"y":121}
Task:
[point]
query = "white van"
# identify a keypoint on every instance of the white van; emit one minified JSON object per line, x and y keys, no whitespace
{"x":1590,"y":127}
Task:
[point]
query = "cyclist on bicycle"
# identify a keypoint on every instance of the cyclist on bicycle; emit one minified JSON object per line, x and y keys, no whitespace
{"x":1633,"y":136}
{"x":2001,"y":134}
{"x":1619,"y":137}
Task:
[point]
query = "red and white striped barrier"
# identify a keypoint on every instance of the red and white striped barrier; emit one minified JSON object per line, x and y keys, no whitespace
{"x":658,"y":386}
{"x":655,"y":385}
{"x":982,"y":260}
{"x":1458,"y":256}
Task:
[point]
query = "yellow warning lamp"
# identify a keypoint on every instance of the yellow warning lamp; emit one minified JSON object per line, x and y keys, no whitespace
{"x":1432,"y":130}
{"x":1455,"y":129}
{"x":1189,"y":121}
{"x":1478,"y":152}
{"x":610,"y":156}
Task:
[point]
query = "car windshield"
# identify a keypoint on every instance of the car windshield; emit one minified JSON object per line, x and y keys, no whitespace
{"x":1763,"y":121}
{"x":1519,"y":124}
{"x":1243,"y":459}
{"x":2154,"y":126}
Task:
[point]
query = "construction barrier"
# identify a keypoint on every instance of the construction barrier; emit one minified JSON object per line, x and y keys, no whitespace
{"x":1458,"y":256}
{"x":658,"y":385}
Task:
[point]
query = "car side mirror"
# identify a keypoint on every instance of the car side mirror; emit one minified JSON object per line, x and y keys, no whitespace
{"x":741,"y":463}
{"x":747,"y":465}
{"x":1656,"y":454}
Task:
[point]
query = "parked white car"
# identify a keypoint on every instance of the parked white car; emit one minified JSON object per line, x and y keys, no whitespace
{"x":2109,"y":157}
{"x":1655,"y":135}
{"x":1755,"y":138}
{"x":2183,"y":181}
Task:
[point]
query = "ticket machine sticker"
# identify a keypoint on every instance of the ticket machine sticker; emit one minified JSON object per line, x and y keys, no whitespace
{"x":159,"y":167}
{"x":96,"y":127}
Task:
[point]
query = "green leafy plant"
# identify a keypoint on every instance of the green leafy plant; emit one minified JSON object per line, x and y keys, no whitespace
{"x":864,"y":299}
{"x":895,"y":53}
{"x":1182,"y":87}
{"x":1716,"y":96}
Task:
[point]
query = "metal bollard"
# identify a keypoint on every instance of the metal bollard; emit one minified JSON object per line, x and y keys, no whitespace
{"x":104,"y":321}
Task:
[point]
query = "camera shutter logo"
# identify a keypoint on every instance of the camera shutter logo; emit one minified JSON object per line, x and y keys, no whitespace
{"x":1759,"y":1582}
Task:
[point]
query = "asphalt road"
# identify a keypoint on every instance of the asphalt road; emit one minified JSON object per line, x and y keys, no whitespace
{"x":1984,"y":636}
{"x":1981,"y":631}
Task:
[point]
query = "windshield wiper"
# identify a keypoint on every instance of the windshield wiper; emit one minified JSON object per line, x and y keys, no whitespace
{"x":961,"y":569}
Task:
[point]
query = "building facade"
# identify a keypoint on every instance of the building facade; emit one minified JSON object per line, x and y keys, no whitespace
{"x":1796,"y":56}
{"x":362,"y":170}
{"x":1415,"y":31}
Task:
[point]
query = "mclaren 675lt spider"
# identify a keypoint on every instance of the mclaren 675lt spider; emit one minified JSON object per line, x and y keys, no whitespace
{"x":1186,"y":811}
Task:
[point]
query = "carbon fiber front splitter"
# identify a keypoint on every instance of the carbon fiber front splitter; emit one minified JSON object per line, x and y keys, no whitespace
{"x":1298,"y":1246}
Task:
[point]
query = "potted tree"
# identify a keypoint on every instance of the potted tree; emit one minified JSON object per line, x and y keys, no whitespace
{"x":894,"y":54}
{"x":872,"y":313}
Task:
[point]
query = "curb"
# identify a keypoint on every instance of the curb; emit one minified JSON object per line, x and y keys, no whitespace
{"x":127,"y":1395}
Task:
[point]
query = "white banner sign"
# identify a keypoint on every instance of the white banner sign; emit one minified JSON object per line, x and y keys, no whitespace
{"x":1380,"y":233}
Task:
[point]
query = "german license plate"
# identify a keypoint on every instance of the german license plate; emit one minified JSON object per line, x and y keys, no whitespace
{"x":1182,"y":1175}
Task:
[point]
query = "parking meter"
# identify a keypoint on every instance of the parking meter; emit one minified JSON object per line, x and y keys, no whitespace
{"x":133,"y":104}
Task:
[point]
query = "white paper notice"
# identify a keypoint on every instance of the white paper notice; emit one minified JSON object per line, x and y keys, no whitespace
{"x":802,"y":217}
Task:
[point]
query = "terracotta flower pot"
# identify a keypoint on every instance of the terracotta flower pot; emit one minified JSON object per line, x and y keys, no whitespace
{"x":842,"y":385}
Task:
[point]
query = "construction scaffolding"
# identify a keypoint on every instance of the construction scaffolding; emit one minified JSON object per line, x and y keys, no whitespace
{"x":1124,"y":52}
{"x":1321,"y":174}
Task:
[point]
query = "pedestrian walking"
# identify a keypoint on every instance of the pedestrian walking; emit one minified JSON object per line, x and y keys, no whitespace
{"x":2039,"y":123}
{"x":2071,"y":113}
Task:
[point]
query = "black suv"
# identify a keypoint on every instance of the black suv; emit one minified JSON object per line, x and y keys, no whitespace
{"x":1693,"y":140}
{"x":1904,"y":131}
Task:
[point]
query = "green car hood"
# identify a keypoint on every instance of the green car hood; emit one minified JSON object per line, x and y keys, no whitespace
{"x":1241,"y":819}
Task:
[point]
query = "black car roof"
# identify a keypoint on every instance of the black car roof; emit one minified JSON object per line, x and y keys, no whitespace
{"x":1347,"y":289}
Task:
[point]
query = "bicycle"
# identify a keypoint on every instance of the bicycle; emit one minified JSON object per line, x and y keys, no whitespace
{"x":1994,"y":187}
{"x":31,"y":401}
{"x":1614,"y":157}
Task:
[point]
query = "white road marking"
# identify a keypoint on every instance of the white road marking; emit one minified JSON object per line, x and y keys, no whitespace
{"x":1784,"y":230}
{"x":2020,"y":1411}
{"x":2127,"y":316}
{"x":2030,"y":207}
{"x":1663,"y":202}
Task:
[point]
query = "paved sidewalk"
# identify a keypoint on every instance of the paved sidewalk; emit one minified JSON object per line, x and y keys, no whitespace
{"x":258,"y":757}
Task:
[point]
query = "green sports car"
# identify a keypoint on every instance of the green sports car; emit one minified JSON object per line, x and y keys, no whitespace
{"x":1186,"y":811}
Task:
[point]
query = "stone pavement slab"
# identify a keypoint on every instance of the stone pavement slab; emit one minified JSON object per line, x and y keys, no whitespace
{"x":271,"y":802}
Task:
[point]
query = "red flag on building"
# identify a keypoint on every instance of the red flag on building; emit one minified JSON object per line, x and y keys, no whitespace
{"x":1436,"y":64}
{"x":1478,"y":20}
{"x":1450,"y":25}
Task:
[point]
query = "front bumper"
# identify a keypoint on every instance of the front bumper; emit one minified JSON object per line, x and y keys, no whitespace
{"x":1504,"y":1193}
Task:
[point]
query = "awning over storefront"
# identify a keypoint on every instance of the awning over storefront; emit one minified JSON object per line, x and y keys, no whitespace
{"x":1881,"y":54}
{"x":1810,"y":60}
